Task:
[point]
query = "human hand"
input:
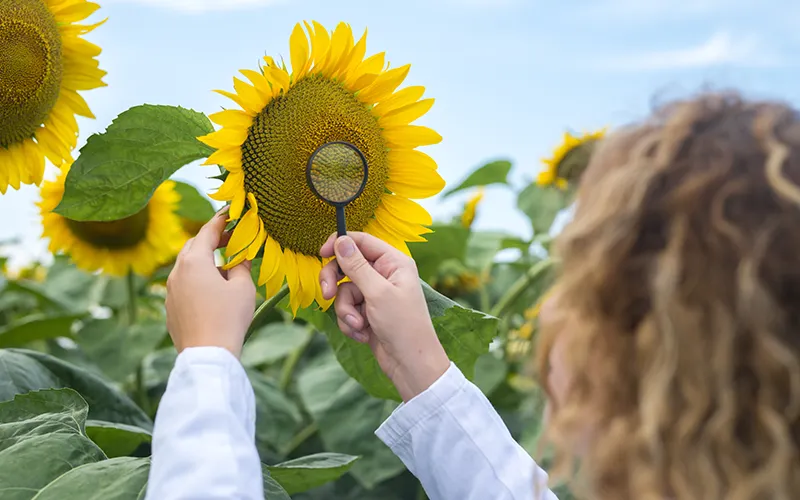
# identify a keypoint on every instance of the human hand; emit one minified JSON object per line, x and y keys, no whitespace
{"x":384,"y":306}
{"x":207,"y":306}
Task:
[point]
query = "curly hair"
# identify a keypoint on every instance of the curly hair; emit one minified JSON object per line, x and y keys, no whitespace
{"x":682,"y":267}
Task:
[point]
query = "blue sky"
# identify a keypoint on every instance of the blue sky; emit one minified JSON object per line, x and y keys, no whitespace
{"x":509,"y":76}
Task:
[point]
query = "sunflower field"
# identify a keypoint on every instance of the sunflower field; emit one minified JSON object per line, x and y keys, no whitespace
{"x":84,"y":350}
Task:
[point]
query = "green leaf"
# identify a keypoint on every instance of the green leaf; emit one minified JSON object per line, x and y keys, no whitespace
{"x":41,"y":439}
{"x":445,"y":243}
{"x":541,"y":205}
{"x":347,"y":418}
{"x":25,"y":371}
{"x":117,"y":171}
{"x":482,"y":248}
{"x":193,"y":205}
{"x":273,"y":342}
{"x":495,"y":172}
{"x":465,"y":335}
{"x":123,"y":478}
{"x":305,"y":473}
{"x":116,"y":440}
{"x":39,"y":327}
{"x":277,"y":417}
{"x":272,"y":489}
{"x":118,"y":349}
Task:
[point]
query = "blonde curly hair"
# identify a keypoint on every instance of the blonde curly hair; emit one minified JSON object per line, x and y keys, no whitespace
{"x":682,"y":270}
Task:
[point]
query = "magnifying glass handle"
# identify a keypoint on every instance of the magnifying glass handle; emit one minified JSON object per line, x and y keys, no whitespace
{"x":341,"y":228}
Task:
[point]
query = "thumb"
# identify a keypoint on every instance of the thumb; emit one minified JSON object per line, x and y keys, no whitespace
{"x":241,"y":273}
{"x":356,"y":267}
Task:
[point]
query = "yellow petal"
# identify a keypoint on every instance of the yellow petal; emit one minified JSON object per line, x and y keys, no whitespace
{"x":35,"y":161}
{"x":406,"y":209}
{"x":384,"y":85}
{"x":379,"y":232}
{"x":372,"y":64}
{"x":235,"y":261}
{"x":232,"y":118}
{"x":402,"y":97}
{"x":224,"y":138}
{"x":341,"y":42}
{"x":414,"y":182}
{"x":71,"y":13}
{"x":238,"y":100}
{"x":279,"y":78}
{"x":406,"y":114}
{"x":237,"y":205}
{"x":356,"y":55}
{"x":233,"y":184}
{"x":293,"y":279}
{"x":249,"y":95}
{"x":252,"y":251}
{"x":298,"y":47}
{"x":321,"y":44}
{"x":403,"y":229}
{"x":76,"y":103}
{"x":309,"y":268}
{"x":246,"y":230}
{"x":272,"y":278}
{"x":260,"y":84}
{"x":408,"y":158}
{"x":229,"y":157}
{"x":410,"y":137}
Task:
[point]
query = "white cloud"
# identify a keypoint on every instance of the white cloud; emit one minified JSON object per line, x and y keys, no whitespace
{"x":721,"y":49}
{"x":205,"y":5}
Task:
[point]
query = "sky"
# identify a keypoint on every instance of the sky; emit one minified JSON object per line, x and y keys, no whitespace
{"x":509,"y":76}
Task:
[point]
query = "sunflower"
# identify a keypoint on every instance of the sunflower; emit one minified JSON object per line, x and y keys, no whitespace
{"x":470,"y":208}
{"x":569,"y":159}
{"x":44,"y":62}
{"x":331,"y":93}
{"x":139,"y":243}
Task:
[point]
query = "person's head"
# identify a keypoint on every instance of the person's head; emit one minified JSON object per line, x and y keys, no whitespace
{"x":675,"y":321}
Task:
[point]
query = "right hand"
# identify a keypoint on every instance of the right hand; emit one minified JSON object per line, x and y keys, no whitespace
{"x":383,"y":305}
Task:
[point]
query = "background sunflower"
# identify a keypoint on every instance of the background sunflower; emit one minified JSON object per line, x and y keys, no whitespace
{"x":569,"y":159}
{"x":471,"y":208}
{"x":44,"y":62}
{"x":139,"y":243}
{"x":331,"y":93}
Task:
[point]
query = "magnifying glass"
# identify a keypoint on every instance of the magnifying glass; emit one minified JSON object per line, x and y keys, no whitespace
{"x":337,"y":173}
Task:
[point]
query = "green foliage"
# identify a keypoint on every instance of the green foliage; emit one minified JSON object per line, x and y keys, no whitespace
{"x":193,"y":205}
{"x":117,"y":171}
{"x":69,"y":350}
{"x":495,"y":172}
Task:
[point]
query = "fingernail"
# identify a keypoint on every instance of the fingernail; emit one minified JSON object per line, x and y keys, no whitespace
{"x":361,"y":337}
{"x":324,"y":285}
{"x":346,"y":246}
{"x":222,"y":211}
{"x":351,"y":320}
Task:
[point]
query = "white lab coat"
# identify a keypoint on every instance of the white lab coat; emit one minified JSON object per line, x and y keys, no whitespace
{"x":449,"y":437}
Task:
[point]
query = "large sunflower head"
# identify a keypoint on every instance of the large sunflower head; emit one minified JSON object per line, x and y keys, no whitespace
{"x":569,"y":159}
{"x":139,"y":243}
{"x":44,"y":63}
{"x":331,"y":93}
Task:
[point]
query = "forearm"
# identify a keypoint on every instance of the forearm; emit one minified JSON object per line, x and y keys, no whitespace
{"x":452,"y":439}
{"x":203,"y":442}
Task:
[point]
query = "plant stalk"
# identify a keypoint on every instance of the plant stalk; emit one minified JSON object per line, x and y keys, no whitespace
{"x":259,"y":318}
{"x":301,"y":437}
{"x":131,"y":282}
{"x":519,"y":287}
{"x":287,"y":370}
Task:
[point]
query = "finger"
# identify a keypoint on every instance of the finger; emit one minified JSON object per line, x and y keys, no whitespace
{"x":347,"y":306}
{"x":356,"y":335}
{"x":241,"y":273}
{"x":224,"y":239}
{"x":186,"y":248}
{"x":209,"y":236}
{"x":327,"y":247}
{"x":357,"y":268}
{"x":371,"y":247}
{"x":222,"y":272}
{"x":329,"y":276}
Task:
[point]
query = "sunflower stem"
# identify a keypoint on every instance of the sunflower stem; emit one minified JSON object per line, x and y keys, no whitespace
{"x":131,"y":281}
{"x":300,"y":438}
{"x":259,"y":318}
{"x":518,"y":288}
{"x":287,"y":370}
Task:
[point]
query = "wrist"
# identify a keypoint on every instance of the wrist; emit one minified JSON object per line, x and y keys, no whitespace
{"x":419,"y":371}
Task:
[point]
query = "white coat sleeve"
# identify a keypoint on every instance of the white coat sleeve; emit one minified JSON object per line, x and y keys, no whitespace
{"x":204,"y":436}
{"x":457,"y":445}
